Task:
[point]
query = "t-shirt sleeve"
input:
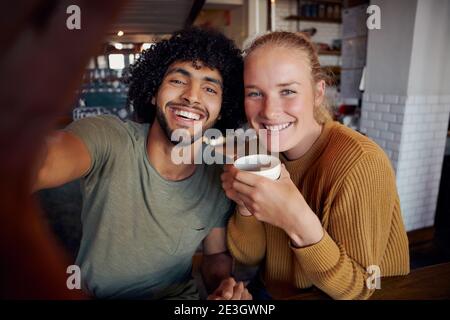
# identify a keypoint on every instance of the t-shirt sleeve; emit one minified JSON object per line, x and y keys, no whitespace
{"x":102,"y":135}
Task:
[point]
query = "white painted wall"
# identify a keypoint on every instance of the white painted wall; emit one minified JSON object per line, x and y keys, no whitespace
{"x":430,"y":52}
{"x":389,"y":73}
{"x":407,"y":102}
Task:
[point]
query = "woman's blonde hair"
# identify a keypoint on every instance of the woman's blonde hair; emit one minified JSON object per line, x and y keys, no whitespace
{"x":301,"y":42}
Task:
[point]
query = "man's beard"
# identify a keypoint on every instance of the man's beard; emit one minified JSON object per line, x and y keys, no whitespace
{"x":162,"y":120}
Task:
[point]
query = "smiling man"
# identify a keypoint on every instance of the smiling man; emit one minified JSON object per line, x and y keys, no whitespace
{"x":144,"y":216}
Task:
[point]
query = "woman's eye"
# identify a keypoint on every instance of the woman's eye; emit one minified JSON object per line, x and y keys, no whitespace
{"x":287,"y":92}
{"x":254,"y":94}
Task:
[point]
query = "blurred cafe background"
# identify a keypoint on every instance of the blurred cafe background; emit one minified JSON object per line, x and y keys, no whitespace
{"x":391,"y":84}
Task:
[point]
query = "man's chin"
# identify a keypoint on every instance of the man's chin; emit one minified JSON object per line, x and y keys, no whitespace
{"x":184,"y":136}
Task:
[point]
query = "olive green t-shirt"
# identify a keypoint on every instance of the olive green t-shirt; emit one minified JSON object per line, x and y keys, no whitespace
{"x":140,"y":231}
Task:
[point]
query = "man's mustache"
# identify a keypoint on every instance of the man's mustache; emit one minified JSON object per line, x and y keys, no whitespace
{"x":189,"y":106}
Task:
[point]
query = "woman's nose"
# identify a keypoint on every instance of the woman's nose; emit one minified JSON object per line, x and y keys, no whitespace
{"x":271,"y":109}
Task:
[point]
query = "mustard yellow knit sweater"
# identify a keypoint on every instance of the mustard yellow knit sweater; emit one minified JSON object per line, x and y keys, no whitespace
{"x":349,"y":183}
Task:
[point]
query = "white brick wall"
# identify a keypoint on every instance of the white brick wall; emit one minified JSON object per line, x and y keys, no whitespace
{"x":412,"y":130}
{"x":382,"y":120}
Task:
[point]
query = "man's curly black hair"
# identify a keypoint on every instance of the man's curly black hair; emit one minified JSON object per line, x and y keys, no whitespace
{"x":209,"y":47}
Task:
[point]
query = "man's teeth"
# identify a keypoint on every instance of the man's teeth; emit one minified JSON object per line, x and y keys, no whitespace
{"x":187,"y":114}
{"x":277,"y":127}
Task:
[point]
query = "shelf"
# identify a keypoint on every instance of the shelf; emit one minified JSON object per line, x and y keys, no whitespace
{"x":329,"y":53}
{"x":314,"y":19}
{"x":327,"y":1}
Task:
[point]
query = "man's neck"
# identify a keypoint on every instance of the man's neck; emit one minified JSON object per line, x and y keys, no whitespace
{"x":159,"y":153}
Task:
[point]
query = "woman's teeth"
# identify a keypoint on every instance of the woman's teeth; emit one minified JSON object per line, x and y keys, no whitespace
{"x":277,"y":127}
{"x":187,"y":114}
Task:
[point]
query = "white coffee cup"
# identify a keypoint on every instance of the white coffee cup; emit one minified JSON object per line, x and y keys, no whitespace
{"x":260,"y":164}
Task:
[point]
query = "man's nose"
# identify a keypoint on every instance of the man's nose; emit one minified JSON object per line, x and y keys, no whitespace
{"x":191,"y":94}
{"x":271,"y":109}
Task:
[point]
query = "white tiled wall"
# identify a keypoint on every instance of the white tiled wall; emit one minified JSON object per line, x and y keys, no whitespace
{"x":412,"y":130}
{"x":382,"y":120}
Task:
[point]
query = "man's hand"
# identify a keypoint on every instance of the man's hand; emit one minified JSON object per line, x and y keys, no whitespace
{"x":229,"y":289}
{"x":42,"y":64}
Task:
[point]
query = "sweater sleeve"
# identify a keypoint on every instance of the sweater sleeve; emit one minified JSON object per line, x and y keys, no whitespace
{"x":356,"y":237}
{"x":246,"y":239}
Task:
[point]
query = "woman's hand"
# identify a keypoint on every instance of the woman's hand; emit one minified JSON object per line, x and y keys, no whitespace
{"x":278,"y":203}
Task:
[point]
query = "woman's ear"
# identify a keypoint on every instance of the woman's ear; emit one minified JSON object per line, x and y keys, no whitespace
{"x":319,"y":93}
{"x":153,"y":101}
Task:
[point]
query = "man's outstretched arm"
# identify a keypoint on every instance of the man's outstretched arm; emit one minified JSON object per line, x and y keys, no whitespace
{"x":64,"y":158}
{"x":42,"y":63}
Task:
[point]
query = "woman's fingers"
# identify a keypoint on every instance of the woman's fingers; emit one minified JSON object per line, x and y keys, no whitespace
{"x":248,"y":178}
{"x":234,"y":194}
{"x":242,"y":210}
{"x":242,"y":188}
{"x":284,"y":173}
{"x":227,"y":167}
{"x":230,"y":184}
{"x":242,"y":194}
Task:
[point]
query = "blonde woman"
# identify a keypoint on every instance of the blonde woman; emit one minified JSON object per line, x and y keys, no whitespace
{"x":334,"y":211}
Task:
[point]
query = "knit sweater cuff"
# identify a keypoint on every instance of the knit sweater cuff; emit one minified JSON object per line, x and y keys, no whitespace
{"x":319,"y":257}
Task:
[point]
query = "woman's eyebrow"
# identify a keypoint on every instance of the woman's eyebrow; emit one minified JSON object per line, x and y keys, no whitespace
{"x":284,"y":84}
{"x":288,"y":84}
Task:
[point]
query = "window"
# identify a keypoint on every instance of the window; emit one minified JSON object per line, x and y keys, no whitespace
{"x":116,"y":61}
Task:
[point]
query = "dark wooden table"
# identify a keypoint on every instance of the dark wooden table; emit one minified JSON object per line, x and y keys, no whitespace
{"x":428,"y":283}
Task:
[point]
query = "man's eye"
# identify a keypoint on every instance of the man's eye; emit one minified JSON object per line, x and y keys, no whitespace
{"x":210,"y":90}
{"x":175,"y":81}
{"x":287,"y":92}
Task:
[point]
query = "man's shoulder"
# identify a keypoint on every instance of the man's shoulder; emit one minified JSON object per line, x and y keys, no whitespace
{"x":109,"y":125}
{"x":100,"y":120}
